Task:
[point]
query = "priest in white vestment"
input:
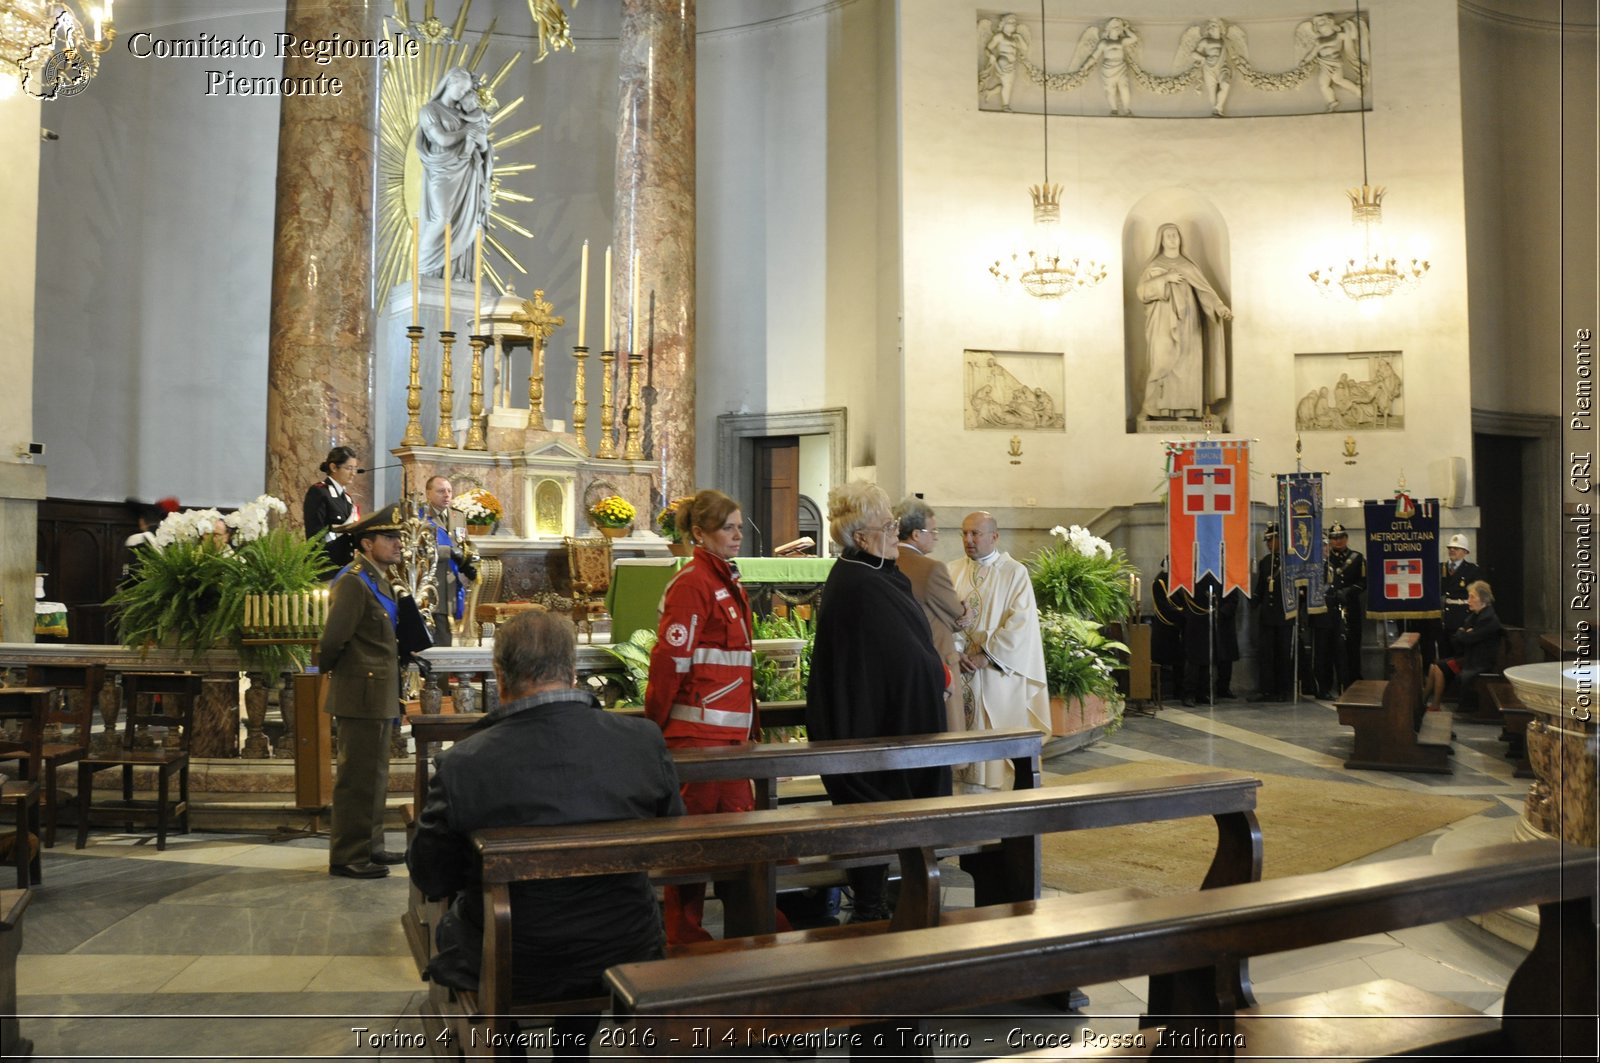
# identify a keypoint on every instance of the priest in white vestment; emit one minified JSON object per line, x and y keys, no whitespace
{"x":1002,"y":656}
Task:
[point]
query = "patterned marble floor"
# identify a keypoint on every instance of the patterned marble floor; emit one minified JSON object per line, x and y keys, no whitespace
{"x":242,"y":947}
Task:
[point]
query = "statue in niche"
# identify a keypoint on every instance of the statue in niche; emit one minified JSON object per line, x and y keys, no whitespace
{"x":1114,"y":49}
{"x":1004,"y":46}
{"x":457,"y":168}
{"x":1216,"y":46}
{"x":1185,"y":342}
{"x":1334,"y":46}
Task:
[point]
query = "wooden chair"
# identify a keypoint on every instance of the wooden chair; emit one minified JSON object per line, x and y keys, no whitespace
{"x":55,"y":747}
{"x":24,"y":708}
{"x":588,"y":578}
{"x":179,"y":693}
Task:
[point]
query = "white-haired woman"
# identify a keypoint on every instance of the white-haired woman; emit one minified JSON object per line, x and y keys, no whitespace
{"x":874,"y":671}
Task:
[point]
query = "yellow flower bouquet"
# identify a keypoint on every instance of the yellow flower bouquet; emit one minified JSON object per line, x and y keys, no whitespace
{"x":613,"y":511}
{"x":667,"y":519}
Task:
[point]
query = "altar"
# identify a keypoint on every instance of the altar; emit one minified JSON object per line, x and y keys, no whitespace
{"x":634,"y":599}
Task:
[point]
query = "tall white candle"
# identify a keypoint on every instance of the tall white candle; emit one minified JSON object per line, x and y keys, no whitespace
{"x":416,"y":282}
{"x":634,"y":307}
{"x":447,"y":276}
{"x":605,"y":321}
{"x":477,"y":284}
{"x":583,"y":294}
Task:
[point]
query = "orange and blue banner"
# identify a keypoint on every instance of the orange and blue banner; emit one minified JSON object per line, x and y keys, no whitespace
{"x":1300,"y":544}
{"x":1208,"y":513}
{"x":1402,"y":558}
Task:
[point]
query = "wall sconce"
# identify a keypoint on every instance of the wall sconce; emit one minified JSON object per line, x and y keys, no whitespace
{"x":1016,"y":450}
{"x":1350,"y":453}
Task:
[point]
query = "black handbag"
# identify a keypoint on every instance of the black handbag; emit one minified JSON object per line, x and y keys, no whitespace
{"x":410,"y":628}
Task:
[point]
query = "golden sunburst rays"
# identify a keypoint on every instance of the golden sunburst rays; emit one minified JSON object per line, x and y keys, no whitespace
{"x":407,"y":83}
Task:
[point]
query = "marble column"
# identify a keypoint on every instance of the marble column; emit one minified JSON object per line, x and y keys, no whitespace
{"x":655,"y":215}
{"x":321,"y":343}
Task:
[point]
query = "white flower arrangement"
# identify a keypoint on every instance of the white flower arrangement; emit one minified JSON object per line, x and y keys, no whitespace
{"x":1084,"y":541}
{"x":248,"y":522}
{"x":186,"y":526}
{"x":479,"y":506}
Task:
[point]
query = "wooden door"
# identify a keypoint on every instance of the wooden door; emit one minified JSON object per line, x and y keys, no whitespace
{"x":776,"y":506}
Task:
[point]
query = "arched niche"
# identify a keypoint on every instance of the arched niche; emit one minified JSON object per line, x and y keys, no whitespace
{"x":1205,"y":244}
{"x":551,"y":511}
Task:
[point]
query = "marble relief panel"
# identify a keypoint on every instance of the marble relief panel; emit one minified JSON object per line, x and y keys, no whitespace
{"x":1008,"y":390}
{"x":1341,"y":391}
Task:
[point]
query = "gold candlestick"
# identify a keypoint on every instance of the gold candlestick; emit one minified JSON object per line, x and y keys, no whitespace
{"x":447,"y":386}
{"x":580,"y":404}
{"x":413,"y":436}
{"x":634,"y":448}
{"x":608,"y":412}
{"x":476,"y":439}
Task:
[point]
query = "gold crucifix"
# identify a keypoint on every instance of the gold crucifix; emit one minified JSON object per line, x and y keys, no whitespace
{"x":539,"y":324}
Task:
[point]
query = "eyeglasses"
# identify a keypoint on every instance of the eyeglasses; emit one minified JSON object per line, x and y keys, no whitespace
{"x":892,"y":526}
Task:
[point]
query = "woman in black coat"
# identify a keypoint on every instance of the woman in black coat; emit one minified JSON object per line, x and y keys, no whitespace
{"x":329,"y":505}
{"x":1477,"y":645}
{"x":874,"y":670}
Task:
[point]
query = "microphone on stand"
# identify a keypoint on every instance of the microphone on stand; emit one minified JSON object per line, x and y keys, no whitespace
{"x":380,"y":468}
{"x":757,"y":529}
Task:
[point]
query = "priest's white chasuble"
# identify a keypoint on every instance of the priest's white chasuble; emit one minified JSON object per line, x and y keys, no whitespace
{"x":1010,"y":693}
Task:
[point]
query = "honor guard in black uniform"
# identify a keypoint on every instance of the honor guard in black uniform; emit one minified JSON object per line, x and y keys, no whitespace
{"x":1201,"y":642}
{"x":1166,"y":638}
{"x":1455,"y":576}
{"x":1274,"y":630}
{"x":1322,"y":666}
{"x":1347,"y":592}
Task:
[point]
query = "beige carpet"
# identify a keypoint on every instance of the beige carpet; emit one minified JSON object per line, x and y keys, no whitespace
{"x":1305,"y":826}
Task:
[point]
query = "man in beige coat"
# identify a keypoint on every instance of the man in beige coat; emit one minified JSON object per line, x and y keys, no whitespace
{"x":930,"y":583}
{"x":361,"y":651}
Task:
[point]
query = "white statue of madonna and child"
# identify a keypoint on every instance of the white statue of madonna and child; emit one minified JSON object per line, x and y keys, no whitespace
{"x":457,"y":168}
{"x":1186,"y":346}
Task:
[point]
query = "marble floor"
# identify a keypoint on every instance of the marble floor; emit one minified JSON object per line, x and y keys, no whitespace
{"x":242,"y":947}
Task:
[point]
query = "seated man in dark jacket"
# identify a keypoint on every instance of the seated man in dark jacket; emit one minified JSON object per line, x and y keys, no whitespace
{"x":1477,"y":645}
{"x":549,"y":755}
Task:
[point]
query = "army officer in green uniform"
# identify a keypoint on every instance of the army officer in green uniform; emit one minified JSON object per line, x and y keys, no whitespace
{"x":359,"y":648}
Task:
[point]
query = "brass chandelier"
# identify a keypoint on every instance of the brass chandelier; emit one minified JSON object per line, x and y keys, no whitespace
{"x":1043,"y":271}
{"x":1370,"y":270}
{"x":45,"y":49}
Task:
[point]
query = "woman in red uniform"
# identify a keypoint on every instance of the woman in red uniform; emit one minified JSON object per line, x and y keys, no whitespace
{"x":701,"y":689}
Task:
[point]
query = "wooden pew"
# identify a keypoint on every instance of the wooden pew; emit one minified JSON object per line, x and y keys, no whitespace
{"x":1514,"y":717}
{"x":1392,"y":730}
{"x":743,"y":850}
{"x":764,"y":763}
{"x":12,"y":904}
{"x":687,"y":1003}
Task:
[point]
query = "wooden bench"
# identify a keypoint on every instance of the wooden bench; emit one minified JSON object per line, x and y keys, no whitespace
{"x":1392,"y":732}
{"x":685,"y":1004}
{"x":743,"y":850}
{"x":764,"y":763}
{"x":1514,"y":719}
{"x":12,"y":904}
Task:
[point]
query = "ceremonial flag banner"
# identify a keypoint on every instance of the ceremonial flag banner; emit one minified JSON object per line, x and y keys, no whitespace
{"x":1403,"y":559}
{"x":1208,"y":513}
{"x":1300,"y":517}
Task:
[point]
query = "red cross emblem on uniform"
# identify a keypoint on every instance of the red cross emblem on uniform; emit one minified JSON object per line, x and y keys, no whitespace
{"x":1402,"y":579}
{"x":1208,"y":489}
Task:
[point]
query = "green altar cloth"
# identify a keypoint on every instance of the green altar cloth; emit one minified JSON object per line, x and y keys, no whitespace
{"x":637,"y":583}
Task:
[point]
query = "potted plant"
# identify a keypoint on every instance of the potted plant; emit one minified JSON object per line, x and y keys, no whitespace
{"x":1079,"y":667}
{"x":613,"y":515}
{"x":1081,"y":585}
{"x":481,"y":509}
{"x":667,"y":526}
{"x":187,"y":591}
